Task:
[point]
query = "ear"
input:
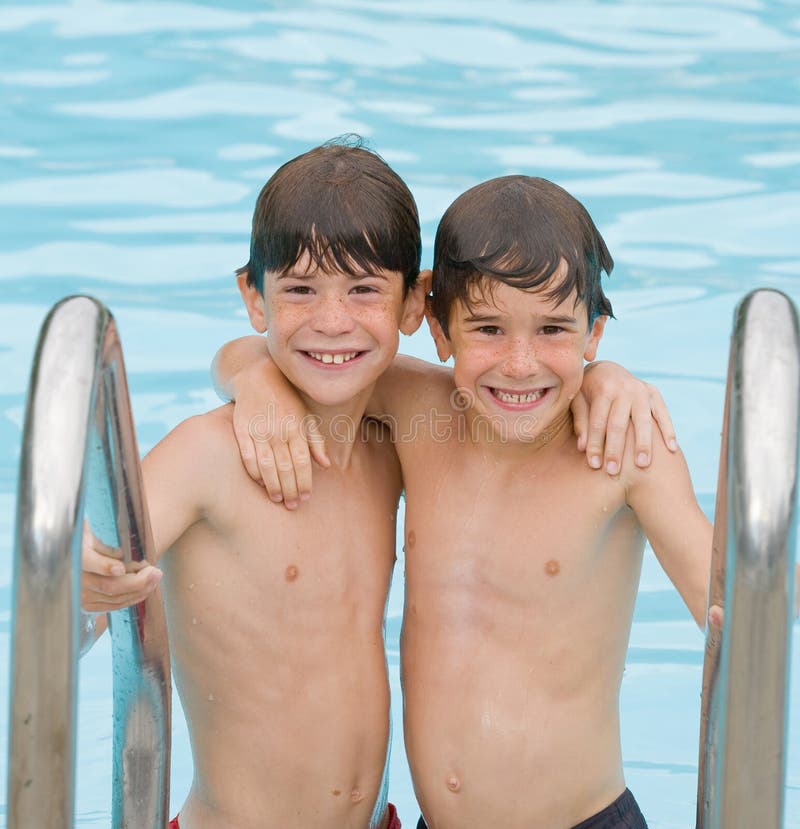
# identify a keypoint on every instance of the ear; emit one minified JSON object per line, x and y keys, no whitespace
{"x":254,"y":302}
{"x":414,"y":304}
{"x":443,"y":349}
{"x":598,"y":326}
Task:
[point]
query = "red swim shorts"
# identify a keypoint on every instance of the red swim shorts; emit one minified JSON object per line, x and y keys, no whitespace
{"x":394,"y":821}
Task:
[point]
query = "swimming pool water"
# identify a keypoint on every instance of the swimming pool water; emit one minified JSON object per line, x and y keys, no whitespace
{"x":135,"y":138}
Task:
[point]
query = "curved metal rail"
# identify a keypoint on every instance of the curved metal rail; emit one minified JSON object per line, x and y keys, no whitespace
{"x":79,"y":449}
{"x":746,"y":676}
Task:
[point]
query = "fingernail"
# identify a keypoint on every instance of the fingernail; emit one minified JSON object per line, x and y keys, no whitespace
{"x":291,"y":504}
{"x":673,"y":445}
{"x":595,"y":462}
{"x":276,"y":498}
{"x":641,"y":459}
{"x":612,"y":467}
{"x":154,"y":577}
{"x":118,"y":570}
{"x":305,"y":496}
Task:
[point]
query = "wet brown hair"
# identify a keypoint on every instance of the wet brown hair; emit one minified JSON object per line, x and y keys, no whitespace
{"x":341,"y":204}
{"x":516,"y":230}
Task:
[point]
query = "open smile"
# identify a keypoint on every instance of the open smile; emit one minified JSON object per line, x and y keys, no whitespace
{"x":333,"y":358}
{"x":518,"y":400}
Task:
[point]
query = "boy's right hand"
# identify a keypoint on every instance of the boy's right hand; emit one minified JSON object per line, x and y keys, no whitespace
{"x":104,"y":583}
{"x":277,"y":438}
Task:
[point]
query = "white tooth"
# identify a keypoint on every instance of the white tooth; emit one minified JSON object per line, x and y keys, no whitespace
{"x":338,"y":359}
{"x":327,"y":358}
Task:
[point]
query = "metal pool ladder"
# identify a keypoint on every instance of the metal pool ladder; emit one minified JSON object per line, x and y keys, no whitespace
{"x":79,"y":453}
{"x":746,"y":676}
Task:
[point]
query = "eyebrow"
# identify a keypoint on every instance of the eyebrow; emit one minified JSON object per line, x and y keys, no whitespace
{"x":550,"y":320}
{"x":354,"y":277}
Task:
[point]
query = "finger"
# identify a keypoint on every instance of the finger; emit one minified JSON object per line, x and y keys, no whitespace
{"x":247,"y":449}
{"x":716,"y":616}
{"x":145,"y":581}
{"x":642,"y":420}
{"x":100,"y":593}
{"x":95,"y":603}
{"x":661,"y":416}
{"x":580,"y":419}
{"x":285,"y":468}
{"x":301,"y":461}
{"x":316,"y":441}
{"x":269,"y":472}
{"x":596,"y":435}
{"x":616,"y":431}
{"x":102,"y":564}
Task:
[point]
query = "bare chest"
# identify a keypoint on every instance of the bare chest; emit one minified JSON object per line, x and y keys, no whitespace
{"x":517,"y":534}
{"x":337,"y":547}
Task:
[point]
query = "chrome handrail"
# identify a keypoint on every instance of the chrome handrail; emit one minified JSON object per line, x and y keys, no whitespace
{"x":79,"y":450}
{"x":744,"y":714}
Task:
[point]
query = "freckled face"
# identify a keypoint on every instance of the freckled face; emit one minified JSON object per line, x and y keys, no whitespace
{"x":332,"y":334}
{"x":519,"y":355}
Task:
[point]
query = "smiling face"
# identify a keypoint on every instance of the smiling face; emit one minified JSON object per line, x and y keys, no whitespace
{"x":519,"y":356}
{"x":330,"y":333}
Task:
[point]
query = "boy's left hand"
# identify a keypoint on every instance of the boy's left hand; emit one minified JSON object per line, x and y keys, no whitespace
{"x":611,"y":398}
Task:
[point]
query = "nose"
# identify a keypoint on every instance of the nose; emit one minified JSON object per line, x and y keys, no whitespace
{"x":519,"y":361}
{"x":332,"y":316}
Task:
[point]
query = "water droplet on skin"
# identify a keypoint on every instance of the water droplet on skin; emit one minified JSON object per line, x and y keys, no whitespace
{"x":194,"y":620}
{"x":211,"y":698}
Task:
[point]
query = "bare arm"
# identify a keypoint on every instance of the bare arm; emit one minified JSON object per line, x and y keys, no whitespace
{"x":178,"y":488}
{"x":276,"y":440}
{"x":680,"y":534}
{"x":280,"y":458}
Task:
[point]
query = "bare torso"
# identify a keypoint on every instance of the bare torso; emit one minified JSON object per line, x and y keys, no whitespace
{"x":521,"y":576}
{"x":275,"y":625}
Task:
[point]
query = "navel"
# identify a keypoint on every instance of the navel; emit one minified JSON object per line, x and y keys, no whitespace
{"x":453,"y":784}
{"x":291,"y":573}
{"x":552,"y":567}
{"x":412,"y":539}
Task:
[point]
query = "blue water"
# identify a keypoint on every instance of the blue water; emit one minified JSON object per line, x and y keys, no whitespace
{"x":136,"y":135}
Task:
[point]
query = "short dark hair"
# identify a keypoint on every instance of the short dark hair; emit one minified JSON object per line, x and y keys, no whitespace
{"x":341,"y":204}
{"x":517,"y":229}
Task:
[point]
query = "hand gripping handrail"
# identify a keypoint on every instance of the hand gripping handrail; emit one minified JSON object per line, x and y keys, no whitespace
{"x":746,"y":675}
{"x":79,"y":449}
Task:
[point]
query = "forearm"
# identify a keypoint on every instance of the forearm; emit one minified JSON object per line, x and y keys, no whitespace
{"x":231,"y":359}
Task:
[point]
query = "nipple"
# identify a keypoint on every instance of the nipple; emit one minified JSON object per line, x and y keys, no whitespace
{"x":291,"y":573}
{"x":552,"y":567}
{"x":454,"y":784}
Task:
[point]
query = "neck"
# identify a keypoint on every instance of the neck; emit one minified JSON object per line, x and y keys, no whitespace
{"x":340,"y":425}
{"x":541,"y":444}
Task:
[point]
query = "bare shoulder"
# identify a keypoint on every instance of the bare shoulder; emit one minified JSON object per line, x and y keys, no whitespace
{"x":194,"y":456}
{"x":202,"y":437}
{"x":190,"y":474}
{"x":430,"y":384}
{"x":666,"y":467}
